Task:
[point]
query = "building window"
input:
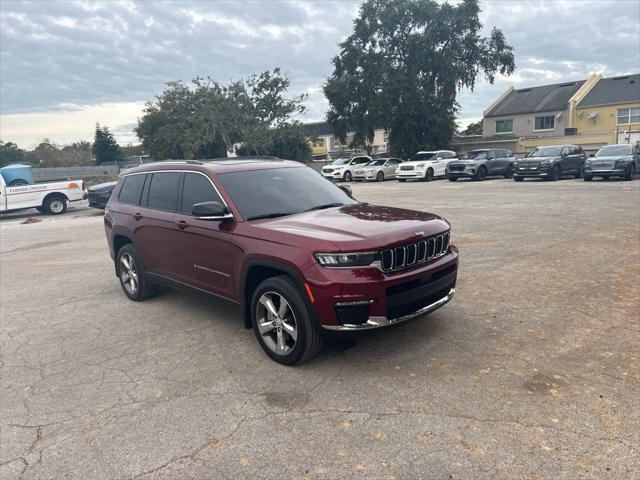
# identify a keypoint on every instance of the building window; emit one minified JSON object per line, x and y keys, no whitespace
{"x":628,"y":115}
{"x":318,"y":143}
{"x":386,"y":137}
{"x":545,"y":123}
{"x":504,"y":126}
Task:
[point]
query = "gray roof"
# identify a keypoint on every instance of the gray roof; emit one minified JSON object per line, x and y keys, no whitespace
{"x":623,"y":89}
{"x":547,"y":98}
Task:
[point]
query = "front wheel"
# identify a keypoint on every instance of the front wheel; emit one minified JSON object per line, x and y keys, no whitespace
{"x":629,"y":172}
{"x":55,"y":205}
{"x":518,"y":179}
{"x":380,"y":177}
{"x":453,"y":179}
{"x":282,"y":322}
{"x":347,"y":176}
{"x":481,"y":174}
{"x":555,"y":174}
{"x":509,"y":172}
{"x":402,"y":179}
{"x":429,"y":175}
{"x":587,"y":178}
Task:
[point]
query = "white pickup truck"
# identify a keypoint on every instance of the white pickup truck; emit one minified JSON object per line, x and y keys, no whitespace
{"x":50,"y":197}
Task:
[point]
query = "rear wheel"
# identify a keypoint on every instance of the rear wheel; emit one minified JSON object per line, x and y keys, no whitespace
{"x":630,"y":172}
{"x":131,"y":274}
{"x":282,"y":322}
{"x":380,"y":177}
{"x":429,"y":175}
{"x":347,"y":176}
{"x":555,"y":174}
{"x":55,"y":205}
{"x":580,"y":172}
{"x":481,"y":174}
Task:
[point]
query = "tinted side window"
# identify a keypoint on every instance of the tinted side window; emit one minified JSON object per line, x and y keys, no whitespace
{"x":500,"y":154}
{"x":132,"y":189}
{"x":197,"y":189}
{"x":163,"y":191}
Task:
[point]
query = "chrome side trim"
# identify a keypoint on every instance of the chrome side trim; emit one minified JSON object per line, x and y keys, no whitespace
{"x":353,"y":304}
{"x":378,"y":322}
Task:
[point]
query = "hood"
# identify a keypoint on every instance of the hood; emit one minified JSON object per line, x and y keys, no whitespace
{"x":538,"y":159}
{"x":415,"y":162}
{"x":359,"y":226}
{"x":468,"y":161}
{"x":102,"y":186}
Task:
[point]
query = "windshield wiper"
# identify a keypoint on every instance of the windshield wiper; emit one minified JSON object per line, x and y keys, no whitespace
{"x":271,"y":215}
{"x":326,"y":205}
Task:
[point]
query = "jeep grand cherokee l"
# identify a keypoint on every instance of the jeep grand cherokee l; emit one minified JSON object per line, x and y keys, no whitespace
{"x":298,"y":253}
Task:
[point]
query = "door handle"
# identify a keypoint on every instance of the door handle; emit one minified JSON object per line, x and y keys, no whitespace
{"x":181,"y":224}
{"x":137,"y":216}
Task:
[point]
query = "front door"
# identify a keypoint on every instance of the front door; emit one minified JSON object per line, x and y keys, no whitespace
{"x":203,"y":248}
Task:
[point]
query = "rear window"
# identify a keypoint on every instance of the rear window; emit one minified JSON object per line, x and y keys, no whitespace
{"x":163,"y":191}
{"x":132,"y":189}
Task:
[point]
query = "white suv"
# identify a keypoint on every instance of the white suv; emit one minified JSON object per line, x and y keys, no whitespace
{"x":343,"y":168}
{"x":425,"y":165}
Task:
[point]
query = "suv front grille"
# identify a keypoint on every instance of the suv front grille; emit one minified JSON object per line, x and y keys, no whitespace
{"x":456,"y":168}
{"x":406,"y":167}
{"x":405,"y":256}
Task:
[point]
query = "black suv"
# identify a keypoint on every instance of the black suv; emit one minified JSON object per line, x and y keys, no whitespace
{"x":551,"y":163}
{"x":613,"y":161}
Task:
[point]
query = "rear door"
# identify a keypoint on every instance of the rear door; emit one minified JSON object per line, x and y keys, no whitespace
{"x":155,"y":231}
{"x":203,"y":247}
{"x":493,"y":162}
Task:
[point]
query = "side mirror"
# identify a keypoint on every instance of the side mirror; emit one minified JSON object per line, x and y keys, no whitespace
{"x":346,"y":189}
{"x":592,"y":155}
{"x":210,"y":211}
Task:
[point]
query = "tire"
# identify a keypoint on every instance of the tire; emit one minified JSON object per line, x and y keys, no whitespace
{"x":380,"y":177}
{"x":518,"y":179}
{"x":402,"y":179}
{"x":555,"y":175}
{"x":347,"y":176}
{"x":429,"y":175}
{"x":630,"y":172}
{"x":481,"y":174}
{"x":308,"y":340}
{"x":587,"y":178}
{"x":580,"y":172}
{"x":453,"y":179}
{"x":509,"y":172}
{"x":136,"y":289}
{"x":55,"y":205}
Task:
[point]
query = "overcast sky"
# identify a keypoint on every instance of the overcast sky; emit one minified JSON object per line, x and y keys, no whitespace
{"x":66,"y":65}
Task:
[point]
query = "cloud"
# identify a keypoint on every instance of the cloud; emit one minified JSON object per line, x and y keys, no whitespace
{"x":61,"y":57}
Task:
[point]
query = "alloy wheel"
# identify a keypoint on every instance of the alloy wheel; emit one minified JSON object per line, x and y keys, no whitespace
{"x":128,"y":273}
{"x":276,"y":323}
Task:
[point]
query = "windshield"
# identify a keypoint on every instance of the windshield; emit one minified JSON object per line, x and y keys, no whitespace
{"x":546,"y":152}
{"x":341,"y":161}
{"x":423,"y":156}
{"x":376,"y":163}
{"x":281,"y":191}
{"x":475,"y":155}
{"x":615,"y":150}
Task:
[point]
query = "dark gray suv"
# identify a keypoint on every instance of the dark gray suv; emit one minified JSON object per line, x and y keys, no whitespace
{"x":480,"y":164}
{"x":619,"y":160}
{"x":551,"y":163}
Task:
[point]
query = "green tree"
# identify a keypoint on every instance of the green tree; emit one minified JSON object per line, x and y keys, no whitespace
{"x":105,"y":149}
{"x":48,"y":154}
{"x":402,"y":67}
{"x":209,"y":119}
{"x":11,"y":153}
{"x":474,"y":128}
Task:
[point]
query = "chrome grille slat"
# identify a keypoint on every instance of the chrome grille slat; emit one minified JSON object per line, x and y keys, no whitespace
{"x":415,"y":253}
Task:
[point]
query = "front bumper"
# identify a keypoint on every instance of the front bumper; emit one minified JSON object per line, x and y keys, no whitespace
{"x":409,"y":174}
{"x":99,"y":199}
{"x":365,"y":299}
{"x":539,"y":171}
{"x":333,"y":175}
{"x":466,"y":173}
{"x":620,"y":171}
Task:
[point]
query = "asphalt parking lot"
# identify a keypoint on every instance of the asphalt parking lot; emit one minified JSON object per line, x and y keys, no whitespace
{"x":532,"y":371}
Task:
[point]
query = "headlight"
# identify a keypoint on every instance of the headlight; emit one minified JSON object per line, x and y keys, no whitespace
{"x":621,"y":163}
{"x":420,"y":165}
{"x":338,"y":260}
{"x":546,"y":161}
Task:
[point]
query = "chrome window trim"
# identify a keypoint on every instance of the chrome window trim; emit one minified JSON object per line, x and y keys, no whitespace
{"x":182,"y":171}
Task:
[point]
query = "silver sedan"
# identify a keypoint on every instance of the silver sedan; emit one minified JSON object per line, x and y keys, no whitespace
{"x":379,"y":170}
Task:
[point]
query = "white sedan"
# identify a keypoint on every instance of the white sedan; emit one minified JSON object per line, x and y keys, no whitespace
{"x":379,"y":170}
{"x":425,"y":165}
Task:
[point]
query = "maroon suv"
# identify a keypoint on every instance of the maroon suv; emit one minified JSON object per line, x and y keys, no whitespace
{"x":298,"y":253}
